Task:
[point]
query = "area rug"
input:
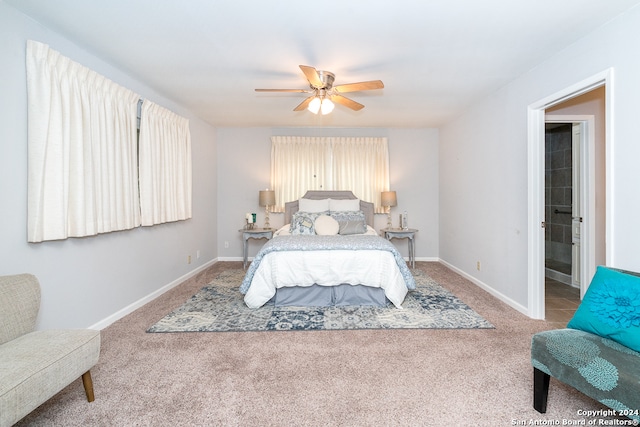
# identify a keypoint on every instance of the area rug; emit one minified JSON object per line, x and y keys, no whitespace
{"x":219,"y":307}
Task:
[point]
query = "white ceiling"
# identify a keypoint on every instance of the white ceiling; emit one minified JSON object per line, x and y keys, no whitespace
{"x":435,"y":57}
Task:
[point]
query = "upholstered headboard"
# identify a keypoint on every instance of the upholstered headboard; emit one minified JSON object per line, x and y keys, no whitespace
{"x":292,"y":207}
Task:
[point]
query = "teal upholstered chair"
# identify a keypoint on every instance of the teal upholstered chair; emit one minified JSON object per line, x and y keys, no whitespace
{"x":598,"y":353}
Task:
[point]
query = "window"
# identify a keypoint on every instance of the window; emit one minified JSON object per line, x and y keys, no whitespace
{"x":83,"y":153}
{"x":165,"y":165}
{"x":299,"y":164}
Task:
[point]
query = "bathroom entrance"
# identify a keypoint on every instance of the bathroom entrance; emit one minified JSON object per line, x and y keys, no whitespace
{"x":562,"y":206}
{"x":574,"y":237}
{"x":585,"y":102}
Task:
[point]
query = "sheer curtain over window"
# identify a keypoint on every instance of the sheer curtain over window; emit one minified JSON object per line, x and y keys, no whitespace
{"x":165,"y":165}
{"x":82,"y":146}
{"x":298,"y":164}
{"x":362,"y":166}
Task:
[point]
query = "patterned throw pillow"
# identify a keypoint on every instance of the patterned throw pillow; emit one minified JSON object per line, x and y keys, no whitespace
{"x":302,"y":223}
{"x":611,"y":308}
{"x":351,"y":222}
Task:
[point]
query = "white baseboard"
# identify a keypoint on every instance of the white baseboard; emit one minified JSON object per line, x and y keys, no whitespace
{"x":428,"y":259}
{"x":142,"y":301}
{"x":522,"y":309}
{"x":233,"y":258}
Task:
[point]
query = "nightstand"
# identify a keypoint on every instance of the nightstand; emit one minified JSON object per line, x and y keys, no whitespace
{"x":254,"y":233}
{"x":399,"y":233}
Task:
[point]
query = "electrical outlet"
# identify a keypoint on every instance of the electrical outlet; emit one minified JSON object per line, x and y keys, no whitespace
{"x":198,"y":254}
{"x":478,"y":265}
{"x":188,"y":259}
{"x":226,"y":244}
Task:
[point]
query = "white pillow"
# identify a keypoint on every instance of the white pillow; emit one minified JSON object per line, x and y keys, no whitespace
{"x":336,"y":205}
{"x":310,"y":205}
{"x":326,"y":226}
{"x":283,"y":231}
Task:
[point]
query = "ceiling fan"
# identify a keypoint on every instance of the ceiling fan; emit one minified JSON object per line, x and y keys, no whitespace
{"x":324,"y":92}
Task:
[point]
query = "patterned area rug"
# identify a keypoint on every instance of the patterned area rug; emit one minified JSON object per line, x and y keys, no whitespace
{"x":219,"y":307}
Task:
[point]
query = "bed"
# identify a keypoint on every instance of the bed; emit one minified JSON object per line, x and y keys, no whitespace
{"x":327,"y":254}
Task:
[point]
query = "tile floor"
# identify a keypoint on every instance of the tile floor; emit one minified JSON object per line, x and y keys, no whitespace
{"x":561,"y":301}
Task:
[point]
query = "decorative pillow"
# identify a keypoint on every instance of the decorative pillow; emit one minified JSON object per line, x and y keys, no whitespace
{"x":302,"y":222}
{"x":611,"y":307}
{"x":338,"y":205}
{"x":351,"y":222}
{"x":352,"y":227}
{"x":326,"y":226}
{"x":285,"y":230}
{"x":310,"y":205}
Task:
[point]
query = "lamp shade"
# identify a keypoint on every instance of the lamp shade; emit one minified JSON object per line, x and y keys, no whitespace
{"x":388,"y":198}
{"x":267,"y":198}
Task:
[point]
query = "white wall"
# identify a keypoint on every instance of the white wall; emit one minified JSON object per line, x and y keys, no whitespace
{"x":483,"y":162}
{"x":244,"y":162}
{"x":85,"y":281}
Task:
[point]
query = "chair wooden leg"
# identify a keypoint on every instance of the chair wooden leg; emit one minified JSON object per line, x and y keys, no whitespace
{"x":540,"y":390}
{"x":88,"y":385}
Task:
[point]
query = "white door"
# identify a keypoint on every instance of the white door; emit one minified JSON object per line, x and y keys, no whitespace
{"x":576,"y":205}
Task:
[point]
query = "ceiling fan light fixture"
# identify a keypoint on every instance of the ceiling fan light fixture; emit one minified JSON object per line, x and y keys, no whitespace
{"x":314,"y":105}
{"x":321,"y":87}
{"x":327,"y":106}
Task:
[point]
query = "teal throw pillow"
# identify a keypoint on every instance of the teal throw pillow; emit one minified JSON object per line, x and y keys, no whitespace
{"x":611,"y":307}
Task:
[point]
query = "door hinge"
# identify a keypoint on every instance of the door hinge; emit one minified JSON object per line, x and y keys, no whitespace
{"x":543,"y":224}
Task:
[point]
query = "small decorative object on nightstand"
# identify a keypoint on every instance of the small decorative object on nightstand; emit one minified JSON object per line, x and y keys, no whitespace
{"x":399,"y":233}
{"x":251,"y":221}
{"x":254,"y":233}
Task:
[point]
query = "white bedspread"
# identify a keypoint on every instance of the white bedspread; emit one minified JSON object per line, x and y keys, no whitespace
{"x":326,"y":268}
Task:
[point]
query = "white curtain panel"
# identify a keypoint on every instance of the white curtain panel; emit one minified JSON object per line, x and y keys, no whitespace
{"x":362,"y":166}
{"x":298,"y":164}
{"x":165,"y":165}
{"x":358,"y":164}
{"x":82,"y":177}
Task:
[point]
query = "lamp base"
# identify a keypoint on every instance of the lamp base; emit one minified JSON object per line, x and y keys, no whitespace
{"x":266,"y":218}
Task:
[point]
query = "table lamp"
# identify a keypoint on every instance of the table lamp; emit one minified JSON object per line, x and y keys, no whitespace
{"x":267,"y":198}
{"x":389,"y":199}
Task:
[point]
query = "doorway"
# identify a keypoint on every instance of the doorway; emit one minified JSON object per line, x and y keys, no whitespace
{"x":590,"y":233}
{"x":559,"y":204}
{"x":564,"y":139}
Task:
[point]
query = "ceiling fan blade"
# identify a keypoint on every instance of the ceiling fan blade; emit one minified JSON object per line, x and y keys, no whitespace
{"x":353,"y":87}
{"x":339,"y":99}
{"x":304,"y":104}
{"x":284,"y":90}
{"x":312,"y":75}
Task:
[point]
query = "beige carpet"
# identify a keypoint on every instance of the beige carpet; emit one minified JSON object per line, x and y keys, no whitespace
{"x":423,"y":377}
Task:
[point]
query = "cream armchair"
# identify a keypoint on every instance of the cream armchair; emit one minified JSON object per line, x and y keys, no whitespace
{"x":35,"y":365}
